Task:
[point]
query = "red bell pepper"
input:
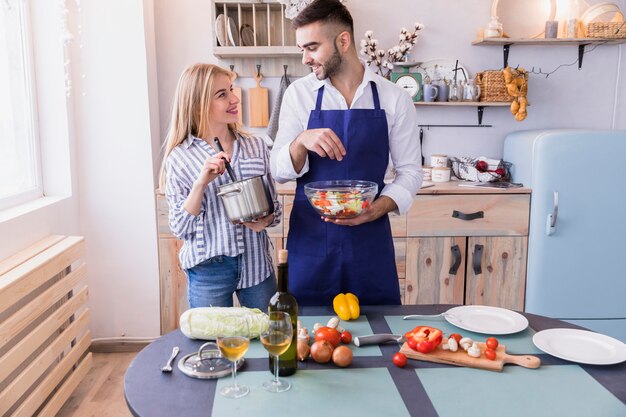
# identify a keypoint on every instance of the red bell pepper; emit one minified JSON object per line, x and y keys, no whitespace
{"x":426,"y":338}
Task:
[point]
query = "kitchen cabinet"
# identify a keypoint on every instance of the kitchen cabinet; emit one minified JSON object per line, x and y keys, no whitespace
{"x":467,"y":249}
{"x":440,"y":258}
{"x":251,"y":32}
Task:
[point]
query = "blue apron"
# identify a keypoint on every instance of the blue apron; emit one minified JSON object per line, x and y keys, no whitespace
{"x":326,"y":259}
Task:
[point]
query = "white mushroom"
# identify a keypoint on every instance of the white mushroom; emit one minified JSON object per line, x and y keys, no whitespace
{"x":333,"y":322}
{"x":474,"y":351}
{"x":452,"y":344}
{"x":466,"y":343}
{"x":316,"y":327}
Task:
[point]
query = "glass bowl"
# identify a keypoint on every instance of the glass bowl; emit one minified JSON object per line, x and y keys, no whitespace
{"x":340,"y":199}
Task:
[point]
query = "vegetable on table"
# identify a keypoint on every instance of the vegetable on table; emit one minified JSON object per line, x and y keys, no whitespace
{"x":342,"y":356}
{"x":346,"y":306}
{"x":210,"y":322}
{"x":426,"y":337}
{"x":328,"y":334}
{"x":321,"y":351}
{"x":399,"y":359}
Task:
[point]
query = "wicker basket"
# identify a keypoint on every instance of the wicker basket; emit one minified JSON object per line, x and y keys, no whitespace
{"x":493,"y":87}
{"x":608,"y":30}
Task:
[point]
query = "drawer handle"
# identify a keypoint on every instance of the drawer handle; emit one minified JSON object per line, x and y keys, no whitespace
{"x":456,"y":253}
{"x":471,"y":216}
{"x":477,"y":260}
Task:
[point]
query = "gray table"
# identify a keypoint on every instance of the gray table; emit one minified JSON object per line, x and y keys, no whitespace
{"x":372,"y":385}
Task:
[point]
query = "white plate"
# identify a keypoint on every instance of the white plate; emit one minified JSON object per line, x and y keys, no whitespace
{"x":220,"y":30}
{"x":486,"y":319}
{"x":437,"y":69}
{"x":233,"y":33}
{"x":581,"y":346}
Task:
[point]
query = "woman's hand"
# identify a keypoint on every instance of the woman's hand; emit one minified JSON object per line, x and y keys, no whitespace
{"x":213,"y":167}
{"x":259,"y":225}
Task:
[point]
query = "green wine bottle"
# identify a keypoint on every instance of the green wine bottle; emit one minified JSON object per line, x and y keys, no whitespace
{"x":283,"y":301}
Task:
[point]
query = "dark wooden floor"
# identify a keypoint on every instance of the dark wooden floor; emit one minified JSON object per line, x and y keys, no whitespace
{"x":101,"y":393}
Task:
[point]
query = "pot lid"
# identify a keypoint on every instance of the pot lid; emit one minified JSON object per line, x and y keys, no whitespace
{"x":207,"y":363}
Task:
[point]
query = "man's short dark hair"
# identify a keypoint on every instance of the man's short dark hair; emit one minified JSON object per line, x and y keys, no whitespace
{"x":326,"y":11}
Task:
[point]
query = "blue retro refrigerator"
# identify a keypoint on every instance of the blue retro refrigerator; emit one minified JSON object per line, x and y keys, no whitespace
{"x":577,"y":235}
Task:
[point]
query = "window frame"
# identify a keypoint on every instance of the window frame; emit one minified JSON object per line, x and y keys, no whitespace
{"x":30,"y":90}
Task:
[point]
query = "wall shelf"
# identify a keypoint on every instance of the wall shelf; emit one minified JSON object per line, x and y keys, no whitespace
{"x":506,"y":43}
{"x":480,"y":105}
{"x":257,"y":51}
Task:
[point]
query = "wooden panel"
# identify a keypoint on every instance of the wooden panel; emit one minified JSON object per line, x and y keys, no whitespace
{"x":173,"y":282}
{"x":44,"y":360}
{"x":22,"y":256}
{"x":67,"y":388}
{"x":504,"y":215}
{"x":287,"y":207}
{"x":454,"y":187}
{"x":428,"y":278}
{"x":399,"y":246}
{"x":398,"y":224}
{"x":28,"y":276}
{"x":502,"y":282}
{"x":52,"y":380}
{"x":23,"y":349}
{"x":16,"y":323}
{"x":162,"y":216}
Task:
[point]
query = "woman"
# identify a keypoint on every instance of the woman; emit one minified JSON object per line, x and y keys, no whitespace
{"x":220,"y":258}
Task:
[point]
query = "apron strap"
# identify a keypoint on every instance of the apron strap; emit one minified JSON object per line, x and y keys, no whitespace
{"x":320,"y":95}
{"x":375,"y":95}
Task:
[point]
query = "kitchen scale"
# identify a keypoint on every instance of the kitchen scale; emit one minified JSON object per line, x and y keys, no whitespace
{"x":411,"y":82}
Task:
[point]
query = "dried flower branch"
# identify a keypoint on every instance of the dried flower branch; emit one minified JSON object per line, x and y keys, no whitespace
{"x":384,"y":60}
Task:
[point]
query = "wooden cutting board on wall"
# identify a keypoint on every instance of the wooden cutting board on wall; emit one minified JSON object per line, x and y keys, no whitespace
{"x":258,"y":104}
{"x":237,"y":92}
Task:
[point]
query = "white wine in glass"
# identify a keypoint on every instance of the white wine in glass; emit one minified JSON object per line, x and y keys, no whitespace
{"x":233,"y":348}
{"x":276,"y":339}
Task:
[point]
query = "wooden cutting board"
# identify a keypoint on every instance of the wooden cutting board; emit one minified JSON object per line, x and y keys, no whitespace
{"x":237,"y":92}
{"x":258,"y":104}
{"x":461,"y":358}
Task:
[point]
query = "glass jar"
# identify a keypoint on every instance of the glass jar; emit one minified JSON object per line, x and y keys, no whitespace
{"x":494,"y":28}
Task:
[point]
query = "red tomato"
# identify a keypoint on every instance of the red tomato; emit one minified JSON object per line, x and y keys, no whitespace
{"x":346,"y":337}
{"x":412,"y":343}
{"x":492,"y":343}
{"x":490,"y":354}
{"x":399,"y":359}
{"x":456,"y":337}
{"x":329,"y":334}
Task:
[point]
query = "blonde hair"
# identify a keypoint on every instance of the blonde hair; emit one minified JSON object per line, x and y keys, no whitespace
{"x":192,"y":102}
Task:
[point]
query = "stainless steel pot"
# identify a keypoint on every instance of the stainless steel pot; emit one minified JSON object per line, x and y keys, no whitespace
{"x":246,"y":200}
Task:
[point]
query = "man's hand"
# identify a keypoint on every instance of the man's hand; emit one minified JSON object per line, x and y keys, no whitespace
{"x":377,"y":209}
{"x":323,"y":142}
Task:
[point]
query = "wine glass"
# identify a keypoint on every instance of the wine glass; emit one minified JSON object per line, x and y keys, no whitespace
{"x":276,"y":340}
{"x":233,"y":347}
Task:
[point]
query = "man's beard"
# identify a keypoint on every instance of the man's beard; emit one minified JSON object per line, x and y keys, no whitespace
{"x":331,"y":66}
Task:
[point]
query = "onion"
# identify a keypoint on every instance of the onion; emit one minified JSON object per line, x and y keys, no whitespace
{"x":342,"y":356}
{"x":321,"y":351}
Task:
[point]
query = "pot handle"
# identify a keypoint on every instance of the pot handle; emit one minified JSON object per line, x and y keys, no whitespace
{"x":236,"y":190}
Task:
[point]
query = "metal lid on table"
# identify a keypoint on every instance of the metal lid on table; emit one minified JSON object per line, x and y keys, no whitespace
{"x":206,"y":363}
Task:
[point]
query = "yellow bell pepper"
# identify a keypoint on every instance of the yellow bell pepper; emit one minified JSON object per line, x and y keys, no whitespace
{"x":346,"y":306}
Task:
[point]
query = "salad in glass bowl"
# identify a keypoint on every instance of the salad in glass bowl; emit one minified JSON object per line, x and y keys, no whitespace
{"x":340,"y":199}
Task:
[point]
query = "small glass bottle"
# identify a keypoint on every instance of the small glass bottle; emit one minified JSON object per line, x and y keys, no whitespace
{"x":571,"y":24}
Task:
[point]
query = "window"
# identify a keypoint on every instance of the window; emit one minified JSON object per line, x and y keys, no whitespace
{"x":20,"y":178}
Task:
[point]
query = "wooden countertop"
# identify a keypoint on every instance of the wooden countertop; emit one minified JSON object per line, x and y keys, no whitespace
{"x":452,"y":187}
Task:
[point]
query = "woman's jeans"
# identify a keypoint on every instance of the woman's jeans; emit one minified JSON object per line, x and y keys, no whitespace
{"x":213,"y":282}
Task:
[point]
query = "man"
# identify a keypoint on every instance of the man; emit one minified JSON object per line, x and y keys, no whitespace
{"x":342,"y":122}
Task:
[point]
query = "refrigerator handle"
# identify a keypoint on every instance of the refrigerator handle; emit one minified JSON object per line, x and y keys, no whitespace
{"x":552,"y":217}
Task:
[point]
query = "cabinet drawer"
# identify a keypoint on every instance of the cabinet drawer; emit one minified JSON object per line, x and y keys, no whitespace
{"x":502,"y":215}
